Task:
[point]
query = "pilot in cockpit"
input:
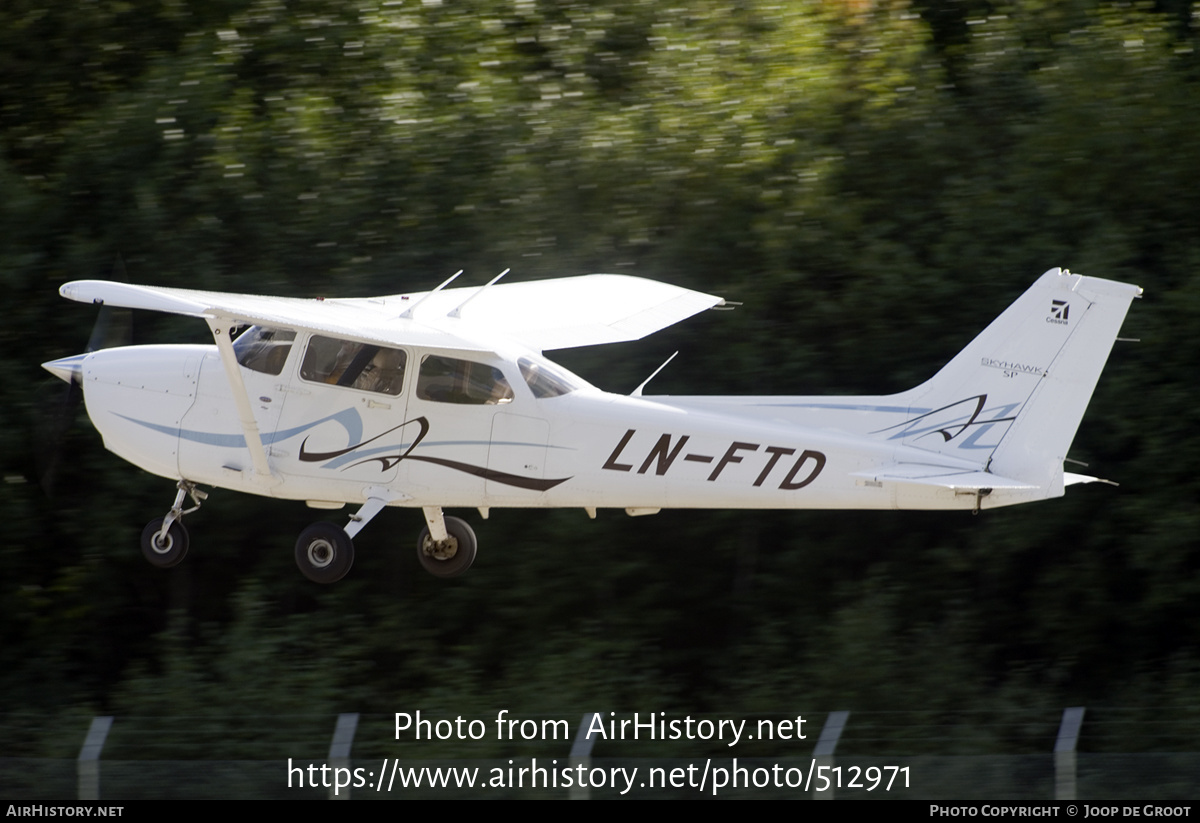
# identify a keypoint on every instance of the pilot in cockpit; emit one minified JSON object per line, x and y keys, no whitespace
{"x":384,"y":374}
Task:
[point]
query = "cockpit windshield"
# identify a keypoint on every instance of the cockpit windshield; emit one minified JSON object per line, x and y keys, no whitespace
{"x":263,"y":349}
{"x":544,"y":380}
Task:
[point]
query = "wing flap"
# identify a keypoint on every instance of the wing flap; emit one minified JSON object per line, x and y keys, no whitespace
{"x":566,"y":312}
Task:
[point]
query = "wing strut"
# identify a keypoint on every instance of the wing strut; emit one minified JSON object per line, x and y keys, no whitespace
{"x":221,"y":328}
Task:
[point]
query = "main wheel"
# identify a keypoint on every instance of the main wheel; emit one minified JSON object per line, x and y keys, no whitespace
{"x":451,"y":558}
{"x":324,"y":553}
{"x":168,"y":550}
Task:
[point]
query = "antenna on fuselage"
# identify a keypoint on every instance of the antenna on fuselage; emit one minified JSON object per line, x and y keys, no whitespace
{"x":638,"y":391}
{"x":457,"y":312}
{"x":408,"y":313}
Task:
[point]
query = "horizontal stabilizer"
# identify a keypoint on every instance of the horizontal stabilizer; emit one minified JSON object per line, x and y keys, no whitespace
{"x":1070,"y":479}
{"x":941,"y":477}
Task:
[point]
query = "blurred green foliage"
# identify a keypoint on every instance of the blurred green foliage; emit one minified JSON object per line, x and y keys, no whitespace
{"x":874,"y":180}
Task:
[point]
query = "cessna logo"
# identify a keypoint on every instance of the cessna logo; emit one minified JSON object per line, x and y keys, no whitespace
{"x":661,"y":456}
{"x":1059,"y":312}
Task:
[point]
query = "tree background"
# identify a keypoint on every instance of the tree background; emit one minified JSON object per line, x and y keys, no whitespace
{"x":873,"y":180}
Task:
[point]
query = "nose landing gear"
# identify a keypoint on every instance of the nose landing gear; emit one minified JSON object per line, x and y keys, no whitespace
{"x":165,"y":540}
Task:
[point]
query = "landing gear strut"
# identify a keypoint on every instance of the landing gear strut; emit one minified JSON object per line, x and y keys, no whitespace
{"x":165,"y":540}
{"x":325,"y":552}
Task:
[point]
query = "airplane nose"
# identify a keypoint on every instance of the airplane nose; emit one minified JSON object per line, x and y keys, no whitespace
{"x":69,"y":369}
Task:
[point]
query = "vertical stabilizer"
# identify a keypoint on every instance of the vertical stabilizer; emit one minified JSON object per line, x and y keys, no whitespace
{"x":1013,"y":398}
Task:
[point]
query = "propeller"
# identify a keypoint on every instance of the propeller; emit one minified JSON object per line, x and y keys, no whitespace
{"x":113,"y":327}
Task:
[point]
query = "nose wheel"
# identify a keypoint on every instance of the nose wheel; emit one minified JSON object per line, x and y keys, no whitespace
{"x":165,"y":540}
{"x":164,"y":547}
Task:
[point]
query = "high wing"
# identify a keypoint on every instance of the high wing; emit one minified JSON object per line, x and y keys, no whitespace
{"x":545,"y":314}
{"x":567,"y":312}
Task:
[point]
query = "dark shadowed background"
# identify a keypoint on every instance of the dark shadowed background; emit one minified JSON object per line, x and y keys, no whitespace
{"x":873,"y":180}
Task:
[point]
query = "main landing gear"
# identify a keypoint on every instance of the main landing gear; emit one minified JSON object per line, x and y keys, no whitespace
{"x":325,"y":551}
{"x":446,"y":547}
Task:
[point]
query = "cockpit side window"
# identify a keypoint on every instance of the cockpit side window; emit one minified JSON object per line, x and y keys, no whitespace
{"x":263,"y":349}
{"x":543,"y":380}
{"x":449,"y":380}
{"x":354,"y":365}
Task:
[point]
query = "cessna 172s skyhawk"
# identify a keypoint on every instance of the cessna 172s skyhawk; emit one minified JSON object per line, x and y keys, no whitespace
{"x":443,"y":399}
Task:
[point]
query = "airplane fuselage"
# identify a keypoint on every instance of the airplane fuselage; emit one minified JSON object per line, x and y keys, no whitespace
{"x":169,"y":410}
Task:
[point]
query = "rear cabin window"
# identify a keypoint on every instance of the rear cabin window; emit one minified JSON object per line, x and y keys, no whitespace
{"x":264,"y":350}
{"x":449,"y":380}
{"x":354,"y":365}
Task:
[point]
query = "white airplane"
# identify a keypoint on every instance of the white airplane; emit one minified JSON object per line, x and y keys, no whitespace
{"x":443,"y":399}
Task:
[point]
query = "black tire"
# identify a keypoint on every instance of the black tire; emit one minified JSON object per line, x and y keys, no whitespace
{"x":324,"y":553}
{"x":449,"y":564}
{"x":168,"y":552}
